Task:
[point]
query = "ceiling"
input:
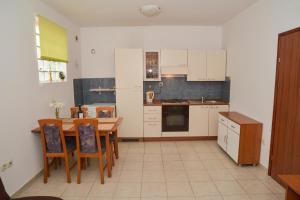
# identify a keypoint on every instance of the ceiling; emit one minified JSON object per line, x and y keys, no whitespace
{"x":87,"y":13}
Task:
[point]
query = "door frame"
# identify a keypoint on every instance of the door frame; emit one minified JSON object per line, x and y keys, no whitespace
{"x":275,"y":97}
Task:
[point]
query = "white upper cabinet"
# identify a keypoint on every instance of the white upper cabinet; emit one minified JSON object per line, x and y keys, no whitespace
{"x":152,"y":65}
{"x":129,"y":68}
{"x":206,"y":65}
{"x":174,"y":61}
{"x":196,"y":65}
{"x":216,"y":65}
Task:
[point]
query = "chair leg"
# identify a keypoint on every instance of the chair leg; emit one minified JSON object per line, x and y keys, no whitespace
{"x":67,"y":169}
{"x":79,"y":162}
{"x":101,"y":166}
{"x":116,"y":145}
{"x":46,"y":169}
{"x":112,"y":156}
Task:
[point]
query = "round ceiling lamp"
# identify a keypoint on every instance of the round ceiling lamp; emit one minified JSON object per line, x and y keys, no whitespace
{"x":150,"y":10}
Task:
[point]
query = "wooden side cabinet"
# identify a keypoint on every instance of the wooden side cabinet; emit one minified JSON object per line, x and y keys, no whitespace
{"x":240,"y":136}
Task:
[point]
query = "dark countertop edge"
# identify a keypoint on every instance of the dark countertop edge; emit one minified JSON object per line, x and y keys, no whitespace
{"x":159,"y":103}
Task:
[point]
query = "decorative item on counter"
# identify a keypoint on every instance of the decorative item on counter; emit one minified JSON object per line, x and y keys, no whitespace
{"x":150,"y":95}
{"x":57,"y":106}
{"x":62,"y":76}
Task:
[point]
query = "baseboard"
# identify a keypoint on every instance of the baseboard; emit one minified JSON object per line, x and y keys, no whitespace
{"x":183,"y":138}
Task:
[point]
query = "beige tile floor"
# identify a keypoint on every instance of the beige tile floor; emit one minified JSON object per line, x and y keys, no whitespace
{"x":164,"y":170}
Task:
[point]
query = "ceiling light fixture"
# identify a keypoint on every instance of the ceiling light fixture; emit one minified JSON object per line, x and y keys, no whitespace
{"x":150,"y":10}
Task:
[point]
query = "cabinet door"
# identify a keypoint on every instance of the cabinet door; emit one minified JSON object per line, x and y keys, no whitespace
{"x":213,"y":118}
{"x":233,"y":143}
{"x":216,"y":65}
{"x":129,"y":104}
{"x":173,"y":58}
{"x":222,"y":135}
{"x":152,"y":65}
{"x":152,"y":129}
{"x":196,"y":65}
{"x":198,"y":121}
{"x":129,"y":68}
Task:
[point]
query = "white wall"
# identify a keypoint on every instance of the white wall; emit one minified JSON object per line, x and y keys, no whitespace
{"x":251,"y":42}
{"x":23,"y":100}
{"x":105,"y":39}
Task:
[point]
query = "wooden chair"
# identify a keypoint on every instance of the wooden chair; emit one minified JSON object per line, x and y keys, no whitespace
{"x":108,"y":112}
{"x":89,"y":144}
{"x":74,"y":111}
{"x":54,"y":145}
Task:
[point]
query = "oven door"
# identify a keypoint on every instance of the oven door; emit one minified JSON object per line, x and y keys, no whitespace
{"x":175,"y":118}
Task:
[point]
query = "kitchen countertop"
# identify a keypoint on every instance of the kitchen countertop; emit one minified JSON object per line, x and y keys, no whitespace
{"x":239,"y":118}
{"x":189,"y":102}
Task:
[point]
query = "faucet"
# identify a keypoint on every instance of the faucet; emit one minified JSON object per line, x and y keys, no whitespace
{"x":202,"y":99}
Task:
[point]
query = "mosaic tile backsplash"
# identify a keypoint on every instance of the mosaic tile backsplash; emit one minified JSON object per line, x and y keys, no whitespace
{"x":83,"y":95}
{"x":179,"y":88}
{"x":173,"y":88}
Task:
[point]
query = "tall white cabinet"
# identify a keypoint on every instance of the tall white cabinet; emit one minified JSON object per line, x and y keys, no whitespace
{"x":129,"y":91}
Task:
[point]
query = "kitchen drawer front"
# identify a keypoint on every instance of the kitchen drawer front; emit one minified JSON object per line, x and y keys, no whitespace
{"x":234,"y":126}
{"x":152,"y":129}
{"x":152,"y":109}
{"x":223,"y":120}
{"x":152,"y":117}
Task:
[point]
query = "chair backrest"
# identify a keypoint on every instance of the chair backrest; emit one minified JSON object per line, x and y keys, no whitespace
{"x":87,"y":136}
{"x":105,"y":112}
{"x":3,"y":193}
{"x":74,"y":111}
{"x":52,"y":136}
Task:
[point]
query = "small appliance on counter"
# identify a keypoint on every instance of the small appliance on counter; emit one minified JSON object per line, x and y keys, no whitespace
{"x":150,"y":96}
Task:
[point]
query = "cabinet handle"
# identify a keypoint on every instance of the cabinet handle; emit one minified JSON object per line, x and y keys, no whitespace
{"x":225,"y":139}
{"x":232,"y":126}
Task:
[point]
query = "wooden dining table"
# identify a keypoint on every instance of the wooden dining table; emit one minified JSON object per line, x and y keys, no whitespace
{"x":106,"y":127}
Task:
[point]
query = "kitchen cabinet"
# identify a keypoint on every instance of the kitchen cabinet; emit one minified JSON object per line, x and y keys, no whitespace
{"x":173,"y":61}
{"x":152,"y":70}
{"x":222,"y":135}
{"x":213,"y":118}
{"x":152,"y":121}
{"x":240,"y":136}
{"x":196,"y":65}
{"x":206,"y":65}
{"x":216,"y":65}
{"x":198,"y":120}
{"x":129,"y":91}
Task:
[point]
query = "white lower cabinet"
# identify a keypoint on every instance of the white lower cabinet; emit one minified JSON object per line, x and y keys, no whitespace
{"x":233,"y":141}
{"x":222,"y":136}
{"x":152,"y":121}
{"x":213,"y":118}
{"x":198,"y":120}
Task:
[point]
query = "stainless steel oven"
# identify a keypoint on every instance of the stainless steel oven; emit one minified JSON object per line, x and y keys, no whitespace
{"x":175,"y":117}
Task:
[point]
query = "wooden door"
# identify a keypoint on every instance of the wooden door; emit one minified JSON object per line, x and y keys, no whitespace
{"x":196,"y":65}
{"x":198,"y":121}
{"x":216,"y":65}
{"x":285,"y":144}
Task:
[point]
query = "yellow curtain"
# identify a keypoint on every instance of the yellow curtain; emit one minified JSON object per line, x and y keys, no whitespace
{"x":53,"y":41}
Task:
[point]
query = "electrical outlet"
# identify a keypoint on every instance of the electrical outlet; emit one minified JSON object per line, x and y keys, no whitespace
{"x":5,"y":166}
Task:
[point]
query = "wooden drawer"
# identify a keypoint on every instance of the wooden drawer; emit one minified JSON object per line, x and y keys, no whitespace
{"x":234,"y":126}
{"x":152,"y":109}
{"x":152,"y":117}
{"x":152,"y":129}
{"x":223,"y":120}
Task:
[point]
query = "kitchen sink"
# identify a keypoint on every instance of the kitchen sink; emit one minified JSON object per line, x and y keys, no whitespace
{"x":210,"y":101}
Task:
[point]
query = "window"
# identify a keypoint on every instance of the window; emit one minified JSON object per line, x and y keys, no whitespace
{"x":52,"y":67}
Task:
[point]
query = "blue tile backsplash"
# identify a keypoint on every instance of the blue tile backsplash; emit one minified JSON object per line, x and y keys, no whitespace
{"x":82,"y":95}
{"x":179,"y":88}
{"x":173,"y":88}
